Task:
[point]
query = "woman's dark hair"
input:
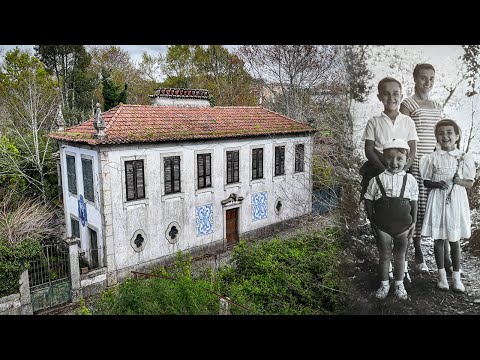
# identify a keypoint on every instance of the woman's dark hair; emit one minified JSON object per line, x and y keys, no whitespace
{"x":419,"y":67}
{"x":456,"y":128}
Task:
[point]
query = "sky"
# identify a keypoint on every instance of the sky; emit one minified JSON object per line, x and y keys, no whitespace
{"x":445,"y":59}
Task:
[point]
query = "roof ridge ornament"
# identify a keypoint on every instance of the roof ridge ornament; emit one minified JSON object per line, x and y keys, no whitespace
{"x":99,"y":123}
{"x":59,"y":119}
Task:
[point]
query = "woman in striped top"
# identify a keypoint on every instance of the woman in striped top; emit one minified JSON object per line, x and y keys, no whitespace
{"x":425,"y":113}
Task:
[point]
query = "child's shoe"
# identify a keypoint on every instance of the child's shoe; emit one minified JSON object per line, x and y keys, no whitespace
{"x":383,"y":290}
{"x":457,"y":282}
{"x":400,"y":292}
{"x":442,"y":282}
{"x":450,"y":272}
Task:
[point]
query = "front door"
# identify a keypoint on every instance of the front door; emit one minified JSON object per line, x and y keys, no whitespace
{"x":231,"y":219}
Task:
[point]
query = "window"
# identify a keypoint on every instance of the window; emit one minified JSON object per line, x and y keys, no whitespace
{"x":204,"y":170}
{"x":299,"y":155}
{"x":71,"y":174}
{"x":171,"y":167}
{"x":232,"y":166}
{"x":93,"y":248}
{"x":134,"y":178}
{"x":257,"y":163}
{"x":87,"y":171}
{"x":75,"y":228}
{"x":279,"y":160}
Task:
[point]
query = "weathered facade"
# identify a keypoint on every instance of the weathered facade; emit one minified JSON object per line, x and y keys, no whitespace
{"x":143,"y":182}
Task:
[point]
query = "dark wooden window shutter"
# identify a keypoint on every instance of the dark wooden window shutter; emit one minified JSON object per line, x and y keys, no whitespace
{"x":135,"y":179}
{"x":279,"y":160}
{"x":87,"y":170}
{"x":71,"y":174}
{"x":299,"y":157}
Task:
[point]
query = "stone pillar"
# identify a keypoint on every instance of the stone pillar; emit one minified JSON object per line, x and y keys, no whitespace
{"x":25,"y":299}
{"x":224,"y":307}
{"x":74,"y":268}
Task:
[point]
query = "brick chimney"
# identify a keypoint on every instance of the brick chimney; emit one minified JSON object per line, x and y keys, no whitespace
{"x":180,"y":97}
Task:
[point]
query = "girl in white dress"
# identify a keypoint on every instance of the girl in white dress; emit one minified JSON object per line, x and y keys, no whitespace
{"x":447,"y":172}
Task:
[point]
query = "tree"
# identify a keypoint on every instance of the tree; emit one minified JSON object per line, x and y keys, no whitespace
{"x":118,"y":64}
{"x":295,"y":78}
{"x":112,"y":93}
{"x":179,"y":66}
{"x":471,"y":59}
{"x":76,"y":84}
{"x":28,"y":95}
{"x":224,"y":75}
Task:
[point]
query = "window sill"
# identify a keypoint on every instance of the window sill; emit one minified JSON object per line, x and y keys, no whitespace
{"x":278,"y":178}
{"x":257,"y":181}
{"x":179,"y":195}
{"x":233,"y":185}
{"x":135,"y":202}
{"x":204,"y":190}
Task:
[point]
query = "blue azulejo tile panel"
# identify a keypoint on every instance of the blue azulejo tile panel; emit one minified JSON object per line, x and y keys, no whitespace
{"x":204,"y":215}
{"x":259,"y":205}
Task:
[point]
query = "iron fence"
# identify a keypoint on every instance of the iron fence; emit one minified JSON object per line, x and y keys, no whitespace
{"x":51,"y":266}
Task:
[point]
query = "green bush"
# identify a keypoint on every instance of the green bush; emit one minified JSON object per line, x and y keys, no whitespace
{"x":298,"y":275}
{"x":15,"y":259}
{"x":161,"y":296}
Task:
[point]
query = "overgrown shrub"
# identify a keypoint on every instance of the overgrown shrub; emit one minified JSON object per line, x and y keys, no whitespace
{"x":297,"y":275}
{"x":15,"y":259}
{"x":161,"y":296}
{"x":23,"y":224}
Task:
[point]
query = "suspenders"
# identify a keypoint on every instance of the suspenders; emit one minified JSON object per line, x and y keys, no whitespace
{"x":382,"y":189}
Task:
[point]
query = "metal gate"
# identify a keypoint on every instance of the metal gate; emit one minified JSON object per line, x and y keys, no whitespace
{"x":49,"y":277}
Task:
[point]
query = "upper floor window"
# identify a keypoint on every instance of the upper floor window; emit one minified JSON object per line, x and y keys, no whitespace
{"x":71,"y":174}
{"x":204,"y":170}
{"x":135,"y":179}
{"x":279,"y":160}
{"x":257,"y":163}
{"x":171,"y":168}
{"x":299,"y":157}
{"x":87,"y":170}
{"x":232,"y":166}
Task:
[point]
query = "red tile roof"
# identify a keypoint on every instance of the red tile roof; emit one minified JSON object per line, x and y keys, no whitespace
{"x":146,"y":123}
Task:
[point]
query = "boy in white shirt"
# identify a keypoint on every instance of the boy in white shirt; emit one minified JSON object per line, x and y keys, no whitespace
{"x":391,"y":205}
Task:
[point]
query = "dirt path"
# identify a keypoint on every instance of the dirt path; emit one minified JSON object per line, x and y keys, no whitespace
{"x":424,"y":297}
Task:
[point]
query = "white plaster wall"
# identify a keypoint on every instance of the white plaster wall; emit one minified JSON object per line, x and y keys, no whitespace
{"x":166,"y":101}
{"x":70,"y":200}
{"x":154,"y":213}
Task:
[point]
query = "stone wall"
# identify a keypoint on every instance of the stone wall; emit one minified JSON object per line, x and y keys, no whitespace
{"x":20,"y":303}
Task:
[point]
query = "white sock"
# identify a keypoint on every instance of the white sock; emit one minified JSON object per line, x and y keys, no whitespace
{"x":398,"y":282}
{"x":385,"y":282}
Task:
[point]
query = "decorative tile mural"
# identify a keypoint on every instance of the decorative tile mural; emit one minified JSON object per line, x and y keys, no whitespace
{"x":259,"y":206}
{"x":204,"y":216}
{"x":82,"y":210}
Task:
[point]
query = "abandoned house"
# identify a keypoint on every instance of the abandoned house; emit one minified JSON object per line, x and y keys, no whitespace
{"x":142,"y":182}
